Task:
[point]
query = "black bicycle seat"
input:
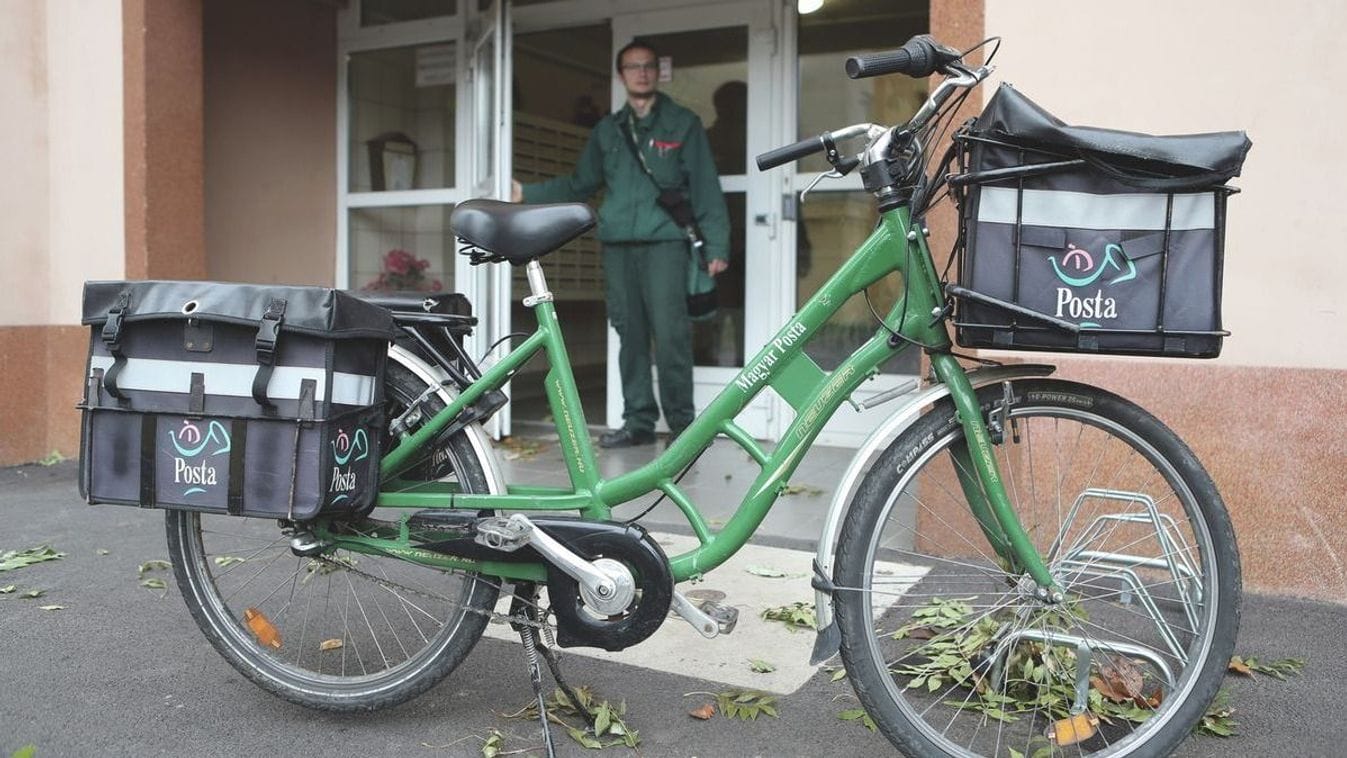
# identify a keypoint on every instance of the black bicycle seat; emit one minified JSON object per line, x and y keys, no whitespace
{"x":497,"y":231}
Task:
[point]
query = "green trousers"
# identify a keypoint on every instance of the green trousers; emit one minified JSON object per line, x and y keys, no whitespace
{"x":646,"y":287}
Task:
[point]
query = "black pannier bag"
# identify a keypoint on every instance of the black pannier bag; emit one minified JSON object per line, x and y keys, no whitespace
{"x":233,"y":398}
{"x":1120,"y":234}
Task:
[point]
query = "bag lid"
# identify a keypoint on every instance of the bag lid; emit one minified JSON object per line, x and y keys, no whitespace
{"x":1215,"y":156}
{"x":316,"y":311}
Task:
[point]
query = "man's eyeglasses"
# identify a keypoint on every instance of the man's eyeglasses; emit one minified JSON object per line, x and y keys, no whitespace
{"x":652,"y":67}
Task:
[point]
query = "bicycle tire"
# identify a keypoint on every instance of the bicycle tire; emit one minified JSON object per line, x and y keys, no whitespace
{"x":314,"y":678}
{"x":991,"y":621}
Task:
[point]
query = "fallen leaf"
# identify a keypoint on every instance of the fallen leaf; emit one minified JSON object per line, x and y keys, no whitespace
{"x":52,"y":458}
{"x":332,"y":644}
{"x":103,"y":551}
{"x":839,"y":675}
{"x":32,"y":594}
{"x":27,"y":751}
{"x":801,"y":489}
{"x":153,"y":583}
{"x":15,"y":559}
{"x":154,"y":564}
{"x":8,"y":588}
{"x":705,"y":712}
{"x":52,"y":607}
{"x":491,"y":747}
{"x":1119,"y":679}
{"x":1238,"y":666}
{"x":759,"y":666}
{"x":770,"y":573}
{"x":227,"y":560}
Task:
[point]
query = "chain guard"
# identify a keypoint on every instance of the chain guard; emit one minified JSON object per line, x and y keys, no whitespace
{"x":629,"y":544}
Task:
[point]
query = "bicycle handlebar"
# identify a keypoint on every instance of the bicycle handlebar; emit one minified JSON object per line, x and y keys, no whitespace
{"x":783,"y":155}
{"x":806,"y":147}
{"x":919,"y":57}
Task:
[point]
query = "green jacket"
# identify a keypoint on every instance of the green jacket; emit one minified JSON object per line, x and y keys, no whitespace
{"x":674,"y":144}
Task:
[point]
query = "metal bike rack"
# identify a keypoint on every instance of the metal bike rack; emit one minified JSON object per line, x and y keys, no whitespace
{"x":1174,"y":549}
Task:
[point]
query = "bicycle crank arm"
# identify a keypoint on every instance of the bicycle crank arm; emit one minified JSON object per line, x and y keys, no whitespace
{"x":516,"y":531}
{"x":704,"y":624}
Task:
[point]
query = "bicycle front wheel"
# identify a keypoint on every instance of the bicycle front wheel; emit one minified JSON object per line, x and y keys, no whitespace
{"x":954,"y":652}
{"x":343,"y":631}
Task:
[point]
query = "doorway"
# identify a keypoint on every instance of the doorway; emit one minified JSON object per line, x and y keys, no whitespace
{"x":717,"y":62}
{"x":560,"y":91}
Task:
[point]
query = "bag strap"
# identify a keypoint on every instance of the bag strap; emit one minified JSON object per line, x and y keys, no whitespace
{"x":629,"y":138}
{"x":1200,"y":181}
{"x":694,"y":235}
{"x":268,"y":332}
{"x":112,"y":338}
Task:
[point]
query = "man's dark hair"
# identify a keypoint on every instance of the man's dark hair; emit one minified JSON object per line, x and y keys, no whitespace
{"x":633,"y":45}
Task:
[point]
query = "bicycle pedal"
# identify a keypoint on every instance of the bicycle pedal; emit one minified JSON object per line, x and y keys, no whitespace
{"x":1073,"y":729}
{"x":725,"y":616}
{"x":500,"y":533}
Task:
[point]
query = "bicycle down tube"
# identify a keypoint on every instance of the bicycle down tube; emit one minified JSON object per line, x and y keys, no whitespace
{"x":894,"y":246}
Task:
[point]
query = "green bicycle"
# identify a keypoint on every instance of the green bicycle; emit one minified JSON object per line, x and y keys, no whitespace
{"x":1014,"y":565}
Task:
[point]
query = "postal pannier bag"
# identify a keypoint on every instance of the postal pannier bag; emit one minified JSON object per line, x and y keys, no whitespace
{"x":233,"y":398}
{"x":1120,"y":234}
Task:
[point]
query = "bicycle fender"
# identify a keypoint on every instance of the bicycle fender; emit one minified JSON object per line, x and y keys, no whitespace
{"x":481,"y":444}
{"x":829,"y":639}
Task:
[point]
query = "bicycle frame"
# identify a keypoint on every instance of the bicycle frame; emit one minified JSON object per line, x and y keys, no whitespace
{"x":895,"y":246}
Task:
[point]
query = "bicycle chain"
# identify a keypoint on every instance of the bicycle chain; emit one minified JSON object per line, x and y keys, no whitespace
{"x":490,"y":614}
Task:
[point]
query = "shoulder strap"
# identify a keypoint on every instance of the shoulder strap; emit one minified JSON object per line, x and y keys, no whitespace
{"x":629,"y":137}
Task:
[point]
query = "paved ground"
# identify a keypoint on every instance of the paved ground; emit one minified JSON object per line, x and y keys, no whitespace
{"x":123,"y":671}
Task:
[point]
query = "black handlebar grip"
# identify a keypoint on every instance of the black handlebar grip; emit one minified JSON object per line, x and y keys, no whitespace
{"x":920,"y":57}
{"x":877,"y":64}
{"x":784,"y":155}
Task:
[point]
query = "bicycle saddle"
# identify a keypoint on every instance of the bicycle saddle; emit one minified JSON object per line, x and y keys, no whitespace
{"x":496,"y":231}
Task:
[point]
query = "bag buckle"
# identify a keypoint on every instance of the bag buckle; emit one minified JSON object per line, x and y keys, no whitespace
{"x":112,"y":328}
{"x":268,"y":331}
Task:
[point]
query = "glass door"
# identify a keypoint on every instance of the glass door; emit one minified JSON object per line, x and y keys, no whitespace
{"x":838,"y":214}
{"x":421,"y":121}
{"x":718,"y":61}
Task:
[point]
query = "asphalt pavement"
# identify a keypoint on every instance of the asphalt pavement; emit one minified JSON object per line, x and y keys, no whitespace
{"x":122,"y":670}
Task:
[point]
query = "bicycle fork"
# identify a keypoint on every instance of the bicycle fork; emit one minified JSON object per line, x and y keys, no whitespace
{"x":980,"y":478}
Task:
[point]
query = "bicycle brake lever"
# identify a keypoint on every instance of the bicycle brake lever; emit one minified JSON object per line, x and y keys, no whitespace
{"x":825,"y":175}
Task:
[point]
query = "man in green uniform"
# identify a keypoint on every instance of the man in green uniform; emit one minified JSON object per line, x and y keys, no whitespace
{"x":645,"y":254}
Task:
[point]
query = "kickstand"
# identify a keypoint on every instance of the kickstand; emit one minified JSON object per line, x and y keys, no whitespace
{"x":525,"y":605}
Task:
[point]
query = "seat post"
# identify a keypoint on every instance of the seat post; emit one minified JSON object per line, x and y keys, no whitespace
{"x":537,"y":285}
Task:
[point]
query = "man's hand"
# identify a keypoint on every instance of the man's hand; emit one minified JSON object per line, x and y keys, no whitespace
{"x":716,"y":265}
{"x":516,"y":191}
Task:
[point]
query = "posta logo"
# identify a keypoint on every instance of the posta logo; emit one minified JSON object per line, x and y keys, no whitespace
{"x":1082,"y":263}
{"x":191,"y":466}
{"x":346,"y":448}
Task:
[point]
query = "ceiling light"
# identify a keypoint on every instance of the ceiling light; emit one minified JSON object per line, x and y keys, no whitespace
{"x":809,"y":6}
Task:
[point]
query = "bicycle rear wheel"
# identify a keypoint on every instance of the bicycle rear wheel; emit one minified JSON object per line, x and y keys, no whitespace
{"x":951,"y":653}
{"x":344,"y":632}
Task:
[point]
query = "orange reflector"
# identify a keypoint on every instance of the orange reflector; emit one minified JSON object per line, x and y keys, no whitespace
{"x":1069,"y":731}
{"x":262,"y":628}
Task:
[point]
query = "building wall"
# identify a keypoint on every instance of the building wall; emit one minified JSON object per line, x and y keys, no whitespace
{"x":270,"y":72}
{"x":1262,"y":417}
{"x":61,"y":145}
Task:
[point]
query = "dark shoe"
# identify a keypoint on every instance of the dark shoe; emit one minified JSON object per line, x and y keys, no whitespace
{"x":674,"y":431}
{"x":626,"y":438}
